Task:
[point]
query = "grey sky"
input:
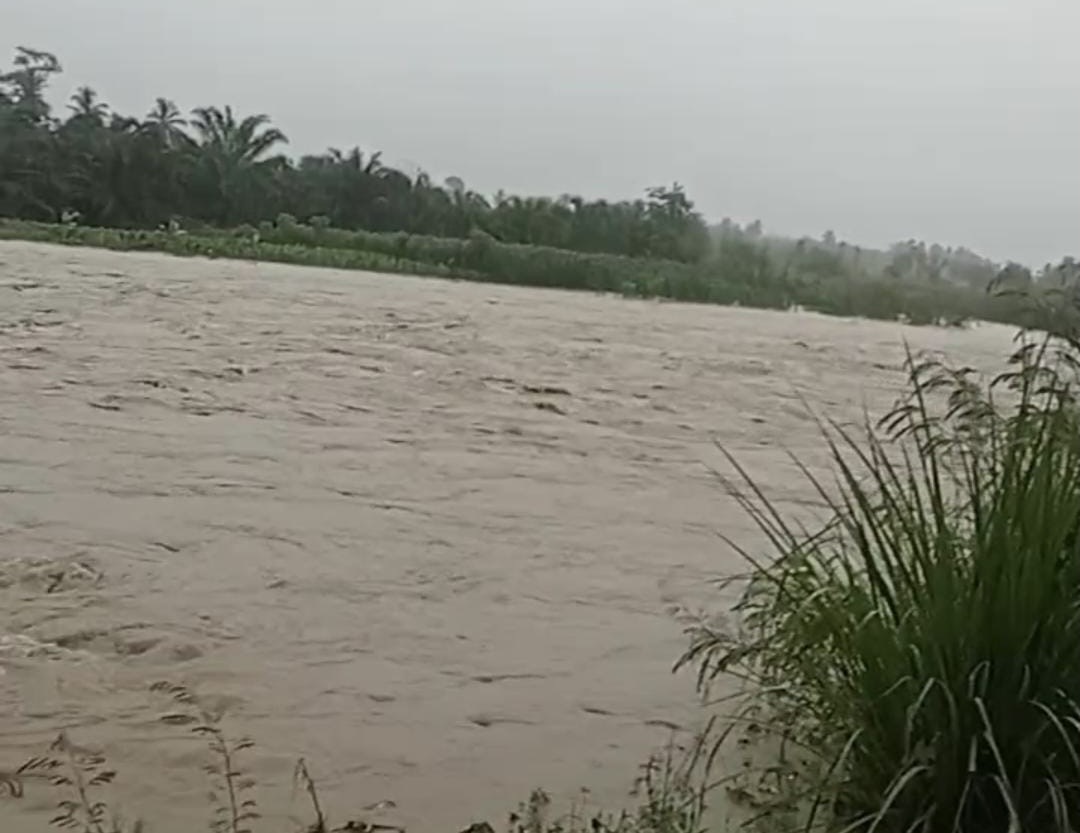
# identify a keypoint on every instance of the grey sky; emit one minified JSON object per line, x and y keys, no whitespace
{"x":957,"y":121}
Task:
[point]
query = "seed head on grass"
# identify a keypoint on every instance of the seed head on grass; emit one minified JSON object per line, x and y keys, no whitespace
{"x":78,"y":774}
{"x":232,"y":790}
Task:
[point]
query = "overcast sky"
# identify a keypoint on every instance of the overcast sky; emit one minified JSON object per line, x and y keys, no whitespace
{"x":956,"y":121}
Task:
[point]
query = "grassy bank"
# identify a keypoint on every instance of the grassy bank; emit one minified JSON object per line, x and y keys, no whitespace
{"x":739,"y":273}
{"x":210,"y":244}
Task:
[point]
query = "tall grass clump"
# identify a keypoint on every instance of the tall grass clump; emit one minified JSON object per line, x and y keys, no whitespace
{"x":920,"y":651}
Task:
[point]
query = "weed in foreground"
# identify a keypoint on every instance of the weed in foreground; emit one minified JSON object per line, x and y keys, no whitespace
{"x":670,"y":792}
{"x":232,"y":792}
{"x":671,"y":789}
{"x":78,"y":773}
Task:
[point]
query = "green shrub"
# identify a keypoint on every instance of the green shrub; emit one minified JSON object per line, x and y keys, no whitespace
{"x":922,"y":648}
{"x":740,"y":271}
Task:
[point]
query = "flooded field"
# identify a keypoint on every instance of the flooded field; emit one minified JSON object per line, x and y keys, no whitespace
{"x":439,"y":538}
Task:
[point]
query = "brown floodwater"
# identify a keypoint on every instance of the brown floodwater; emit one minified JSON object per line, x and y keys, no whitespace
{"x":439,"y":538}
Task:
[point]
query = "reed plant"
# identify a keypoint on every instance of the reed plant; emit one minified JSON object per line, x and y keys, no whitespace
{"x":918,"y":652}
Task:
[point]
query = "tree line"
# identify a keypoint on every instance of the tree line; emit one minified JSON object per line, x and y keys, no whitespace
{"x":910,"y":261}
{"x":221,"y":168}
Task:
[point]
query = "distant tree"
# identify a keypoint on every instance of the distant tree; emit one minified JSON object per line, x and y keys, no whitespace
{"x":677,"y":231}
{"x":166,"y":124}
{"x":1063,"y":274}
{"x":33,"y":174}
{"x":86,"y":107}
{"x":232,"y":168}
{"x":24,"y":87}
{"x":729,"y":228}
{"x":1014,"y":276}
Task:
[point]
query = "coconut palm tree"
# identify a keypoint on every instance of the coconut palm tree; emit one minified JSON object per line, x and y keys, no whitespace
{"x":239,"y":142}
{"x":231,"y":160}
{"x":86,"y":108}
{"x":166,"y":123}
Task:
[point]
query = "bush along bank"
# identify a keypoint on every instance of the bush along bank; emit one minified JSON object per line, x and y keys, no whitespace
{"x":739,"y":273}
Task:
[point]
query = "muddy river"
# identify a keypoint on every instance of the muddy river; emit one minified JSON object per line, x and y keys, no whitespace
{"x":439,"y":538}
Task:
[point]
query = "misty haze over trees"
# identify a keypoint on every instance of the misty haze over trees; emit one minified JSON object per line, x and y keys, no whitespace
{"x":224,"y":169}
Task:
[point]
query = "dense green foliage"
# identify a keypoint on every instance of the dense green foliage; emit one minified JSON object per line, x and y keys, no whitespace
{"x":218,"y":170}
{"x":908,"y":260}
{"x":223,"y":169}
{"x":740,"y":272}
{"x":923,"y":648}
